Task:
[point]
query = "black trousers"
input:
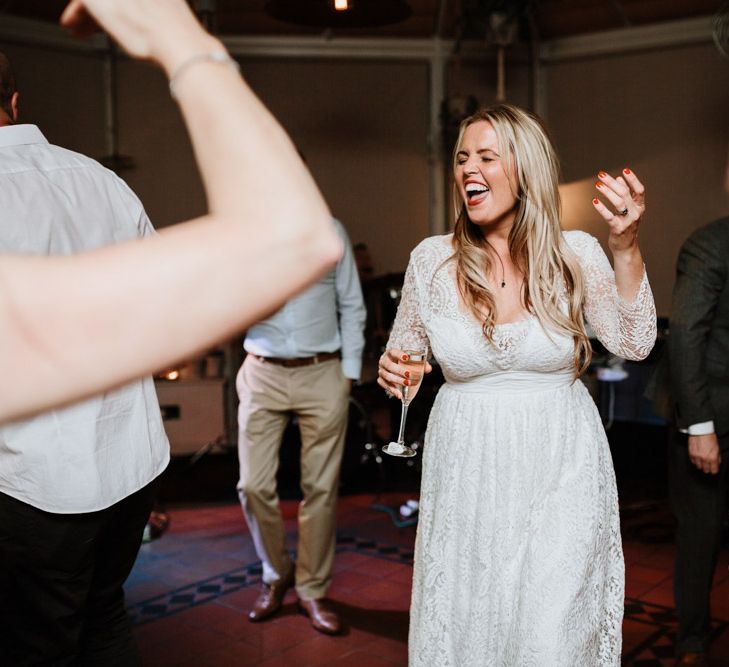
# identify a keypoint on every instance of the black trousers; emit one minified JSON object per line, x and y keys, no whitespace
{"x":699,"y":504}
{"x":61,"y":577}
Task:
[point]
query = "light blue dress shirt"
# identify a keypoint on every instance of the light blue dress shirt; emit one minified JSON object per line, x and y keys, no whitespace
{"x":329,"y":316}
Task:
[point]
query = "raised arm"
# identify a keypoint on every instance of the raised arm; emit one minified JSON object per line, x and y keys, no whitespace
{"x":626,"y":195}
{"x":70,"y":327}
{"x":626,"y":328}
{"x":618,"y":302}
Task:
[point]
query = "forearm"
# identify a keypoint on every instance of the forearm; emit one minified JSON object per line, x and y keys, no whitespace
{"x":71,"y":327}
{"x":351,"y":326}
{"x":241,"y":149}
{"x":629,"y":270}
{"x":695,"y":297}
{"x":686,"y":349}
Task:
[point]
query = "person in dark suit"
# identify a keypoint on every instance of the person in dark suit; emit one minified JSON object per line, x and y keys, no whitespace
{"x":698,"y":459}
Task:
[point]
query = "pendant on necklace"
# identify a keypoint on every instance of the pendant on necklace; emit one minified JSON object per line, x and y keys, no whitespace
{"x":503,"y":283}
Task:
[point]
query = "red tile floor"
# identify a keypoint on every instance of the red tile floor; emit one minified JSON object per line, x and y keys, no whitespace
{"x":191,"y":589}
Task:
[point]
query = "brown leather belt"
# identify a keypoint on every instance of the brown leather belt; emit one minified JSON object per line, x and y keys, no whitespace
{"x":300,"y":361}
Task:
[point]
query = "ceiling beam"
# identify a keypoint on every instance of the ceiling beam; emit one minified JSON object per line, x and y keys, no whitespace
{"x":637,"y":38}
{"x":360,"y":48}
{"x":626,"y":40}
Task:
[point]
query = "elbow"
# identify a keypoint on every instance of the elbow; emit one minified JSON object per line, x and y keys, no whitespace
{"x":634,"y":343}
{"x":328,"y":248}
{"x":632,"y":349}
{"x":638,"y":351}
{"x":315,"y":242}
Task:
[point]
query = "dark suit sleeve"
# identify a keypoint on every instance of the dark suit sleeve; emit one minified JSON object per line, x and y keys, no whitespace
{"x":700,"y":279}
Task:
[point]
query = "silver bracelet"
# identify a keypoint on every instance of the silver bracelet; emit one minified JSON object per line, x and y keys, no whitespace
{"x":219,"y":57}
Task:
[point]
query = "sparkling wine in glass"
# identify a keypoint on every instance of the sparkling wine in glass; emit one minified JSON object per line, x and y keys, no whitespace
{"x":416,"y":366}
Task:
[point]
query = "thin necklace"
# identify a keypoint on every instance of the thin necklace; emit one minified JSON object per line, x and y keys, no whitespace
{"x":503,"y":272}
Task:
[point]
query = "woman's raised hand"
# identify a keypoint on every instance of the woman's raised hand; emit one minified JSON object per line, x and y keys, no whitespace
{"x":626,"y":199}
{"x":156,"y":30}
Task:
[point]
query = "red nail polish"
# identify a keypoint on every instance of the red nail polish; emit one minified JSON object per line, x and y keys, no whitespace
{"x":596,"y":201}
{"x":404,"y":357}
{"x":407,"y":374}
{"x":598,"y":184}
{"x":406,"y":383}
{"x":627,"y":171}
{"x":601,"y":174}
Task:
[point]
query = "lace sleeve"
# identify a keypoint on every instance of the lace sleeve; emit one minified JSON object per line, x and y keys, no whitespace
{"x":628,"y":330}
{"x":408,"y":331}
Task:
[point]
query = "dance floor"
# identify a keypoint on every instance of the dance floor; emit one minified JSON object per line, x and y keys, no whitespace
{"x":191,"y":589}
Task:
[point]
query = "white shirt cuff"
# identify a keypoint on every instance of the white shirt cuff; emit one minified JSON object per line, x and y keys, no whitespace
{"x":702,"y":428}
{"x":351,"y":368}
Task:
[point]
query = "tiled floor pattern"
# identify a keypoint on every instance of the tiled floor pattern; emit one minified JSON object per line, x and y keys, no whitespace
{"x":189,"y":593}
{"x":212,"y":588}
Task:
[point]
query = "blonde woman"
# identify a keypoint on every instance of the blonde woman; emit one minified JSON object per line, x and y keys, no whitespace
{"x":518,"y":558}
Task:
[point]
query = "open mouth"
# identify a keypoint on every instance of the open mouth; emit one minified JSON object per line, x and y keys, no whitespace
{"x":475,"y":193}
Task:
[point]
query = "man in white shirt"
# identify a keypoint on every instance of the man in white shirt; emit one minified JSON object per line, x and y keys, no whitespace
{"x":698,"y":461}
{"x":300,"y":362}
{"x":76,"y":484}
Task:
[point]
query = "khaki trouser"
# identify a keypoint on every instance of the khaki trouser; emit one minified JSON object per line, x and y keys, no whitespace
{"x":319,"y":396}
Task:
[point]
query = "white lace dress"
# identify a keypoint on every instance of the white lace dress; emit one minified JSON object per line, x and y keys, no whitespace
{"x":518,"y":558}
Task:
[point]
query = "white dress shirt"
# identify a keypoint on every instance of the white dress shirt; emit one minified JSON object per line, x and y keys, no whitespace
{"x":91,"y":455}
{"x":327,"y":317}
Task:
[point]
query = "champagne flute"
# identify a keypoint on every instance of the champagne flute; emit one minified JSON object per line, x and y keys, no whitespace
{"x":416,"y":359}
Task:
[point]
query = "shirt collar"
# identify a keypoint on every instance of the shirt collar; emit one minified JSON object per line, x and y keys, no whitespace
{"x":16,"y":135}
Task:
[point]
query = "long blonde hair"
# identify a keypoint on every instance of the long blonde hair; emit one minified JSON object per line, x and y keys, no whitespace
{"x":536,"y":245}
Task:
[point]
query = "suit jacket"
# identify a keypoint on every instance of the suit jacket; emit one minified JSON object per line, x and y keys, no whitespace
{"x":698,"y":342}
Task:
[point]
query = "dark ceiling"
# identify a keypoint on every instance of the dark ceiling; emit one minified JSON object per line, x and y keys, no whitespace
{"x":553,"y":18}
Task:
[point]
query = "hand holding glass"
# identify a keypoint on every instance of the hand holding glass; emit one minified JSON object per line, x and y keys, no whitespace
{"x":415,"y":363}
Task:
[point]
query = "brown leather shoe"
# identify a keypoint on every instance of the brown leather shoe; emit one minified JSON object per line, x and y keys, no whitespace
{"x":270,"y":599}
{"x":323,"y":617}
{"x":693,"y":659}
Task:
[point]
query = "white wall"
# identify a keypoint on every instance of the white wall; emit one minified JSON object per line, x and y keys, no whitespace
{"x":664,"y":114}
{"x":362,"y":127}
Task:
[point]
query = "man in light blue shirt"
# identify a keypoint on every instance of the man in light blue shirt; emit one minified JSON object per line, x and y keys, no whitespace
{"x":300,"y":362}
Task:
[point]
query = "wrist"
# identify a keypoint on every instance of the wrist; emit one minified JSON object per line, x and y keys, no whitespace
{"x":174,"y":53}
{"x":629,"y":257}
{"x":217,"y":57}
